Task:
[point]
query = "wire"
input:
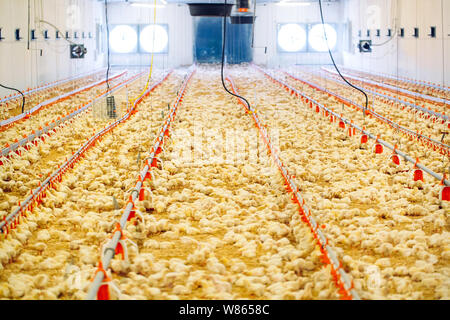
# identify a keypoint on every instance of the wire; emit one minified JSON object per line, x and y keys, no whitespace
{"x":334,"y":63}
{"x":395,"y":28}
{"x":107,"y":43}
{"x":23,"y":96}
{"x":223,"y":55}
{"x":38,"y":20}
{"x":443,"y":54}
{"x":151,"y":70}
{"x":443,"y":81}
{"x":387,"y":41}
{"x":253,"y":26}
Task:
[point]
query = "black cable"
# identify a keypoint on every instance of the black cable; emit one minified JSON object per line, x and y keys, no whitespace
{"x":23,"y":96}
{"x":334,"y":63}
{"x":107,"y":43}
{"x":223,"y":54}
{"x":253,"y":26}
{"x":28,"y":37}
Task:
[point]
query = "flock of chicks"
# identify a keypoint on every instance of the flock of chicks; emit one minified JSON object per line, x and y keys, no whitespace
{"x":433,"y":159}
{"x":27,"y":168}
{"x":421,"y":87}
{"x":52,"y":254}
{"x":53,"y":112}
{"x":392,"y":233}
{"x":215,"y":226}
{"x":222,"y":229}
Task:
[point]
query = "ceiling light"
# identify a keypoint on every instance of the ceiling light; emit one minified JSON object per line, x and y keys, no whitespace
{"x":317,"y":37}
{"x":148,"y":5}
{"x":293,"y":4}
{"x":154,"y":38}
{"x":291,"y":37}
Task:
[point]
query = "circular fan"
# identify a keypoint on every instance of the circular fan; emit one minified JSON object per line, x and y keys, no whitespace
{"x":77,"y":51}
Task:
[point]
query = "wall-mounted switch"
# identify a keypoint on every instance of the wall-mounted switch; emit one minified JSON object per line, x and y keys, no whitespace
{"x":432,"y":32}
{"x":17,"y":34}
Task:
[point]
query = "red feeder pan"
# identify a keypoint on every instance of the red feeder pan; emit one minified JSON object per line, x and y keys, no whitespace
{"x":378,"y":148}
{"x":395,"y":159}
{"x":444,"y":194}
{"x":418,"y":175}
{"x":364,"y":139}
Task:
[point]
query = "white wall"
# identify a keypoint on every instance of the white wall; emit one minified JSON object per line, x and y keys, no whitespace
{"x":423,"y":58}
{"x":22,"y":68}
{"x":180,"y":33}
{"x":269,"y":15}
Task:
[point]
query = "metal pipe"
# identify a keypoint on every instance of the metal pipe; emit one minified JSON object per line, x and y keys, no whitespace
{"x":399,"y":127}
{"x":108,"y":256}
{"x":54,"y":100}
{"x":423,"y":109}
{"x":411,"y":81}
{"x":389,"y":87}
{"x":75,"y":156}
{"x":50,"y":85}
{"x":45,"y":129}
{"x":253,"y":24}
{"x":323,"y":242}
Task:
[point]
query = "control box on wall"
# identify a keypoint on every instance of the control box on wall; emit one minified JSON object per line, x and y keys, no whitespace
{"x":365,"y":46}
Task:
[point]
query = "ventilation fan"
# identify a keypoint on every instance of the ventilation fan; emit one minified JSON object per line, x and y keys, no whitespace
{"x":365,"y":46}
{"x":77,"y":51}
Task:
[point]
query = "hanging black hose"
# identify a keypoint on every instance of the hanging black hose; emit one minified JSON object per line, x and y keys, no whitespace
{"x":334,"y":63}
{"x":29,"y":29}
{"x":107,"y":43}
{"x":23,"y":96}
{"x":223,"y":55}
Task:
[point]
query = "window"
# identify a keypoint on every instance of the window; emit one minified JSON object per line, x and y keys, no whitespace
{"x":316,"y":37}
{"x":291,"y":38}
{"x":154,"y":38}
{"x":123,"y":39}
{"x":139,"y":38}
{"x":294,"y":37}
